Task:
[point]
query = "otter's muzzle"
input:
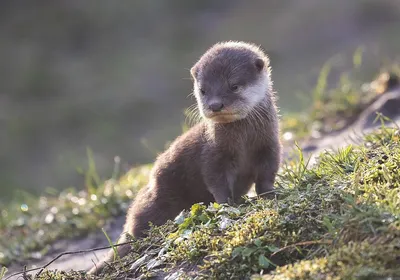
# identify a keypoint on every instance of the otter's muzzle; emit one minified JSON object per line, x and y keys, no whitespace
{"x":216,"y":106}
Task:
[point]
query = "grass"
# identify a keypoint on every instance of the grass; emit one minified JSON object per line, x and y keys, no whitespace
{"x":3,"y":272}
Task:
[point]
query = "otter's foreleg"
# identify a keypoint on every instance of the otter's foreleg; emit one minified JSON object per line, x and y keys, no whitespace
{"x":266,"y":174}
{"x":220,"y":184}
{"x":221,"y":192}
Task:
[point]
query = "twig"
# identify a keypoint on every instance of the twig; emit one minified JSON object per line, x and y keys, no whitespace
{"x":305,"y":243}
{"x":24,"y":274}
{"x":64,"y":254}
{"x":262,"y":195}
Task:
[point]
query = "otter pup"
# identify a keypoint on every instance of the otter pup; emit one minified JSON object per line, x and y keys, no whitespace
{"x":237,"y":143}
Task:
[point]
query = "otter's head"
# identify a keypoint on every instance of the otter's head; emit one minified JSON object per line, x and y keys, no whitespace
{"x":230,"y":80}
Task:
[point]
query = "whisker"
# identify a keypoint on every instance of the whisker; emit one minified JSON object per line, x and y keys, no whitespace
{"x":191,"y":94}
{"x":193,"y":115}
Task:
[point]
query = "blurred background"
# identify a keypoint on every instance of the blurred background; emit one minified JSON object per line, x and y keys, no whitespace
{"x":113,"y":76}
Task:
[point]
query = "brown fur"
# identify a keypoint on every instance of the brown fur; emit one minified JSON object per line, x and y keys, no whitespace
{"x":222,"y":156}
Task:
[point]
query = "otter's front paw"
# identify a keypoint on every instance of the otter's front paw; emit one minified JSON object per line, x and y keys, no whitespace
{"x":231,"y":202}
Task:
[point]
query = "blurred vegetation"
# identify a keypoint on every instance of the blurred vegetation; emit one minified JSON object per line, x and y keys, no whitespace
{"x":109,"y":76}
{"x":335,"y":108}
{"x":28,"y":229}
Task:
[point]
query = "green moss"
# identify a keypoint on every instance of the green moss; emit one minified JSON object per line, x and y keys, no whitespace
{"x":374,"y":257}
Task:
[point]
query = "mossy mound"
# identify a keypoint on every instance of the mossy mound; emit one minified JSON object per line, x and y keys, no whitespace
{"x":339,"y":219}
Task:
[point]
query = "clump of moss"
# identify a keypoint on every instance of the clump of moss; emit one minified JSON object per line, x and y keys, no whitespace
{"x":225,"y":236}
{"x":373,"y":257}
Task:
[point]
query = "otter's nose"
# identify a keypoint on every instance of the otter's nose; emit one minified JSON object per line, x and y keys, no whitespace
{"x":216,"y":106}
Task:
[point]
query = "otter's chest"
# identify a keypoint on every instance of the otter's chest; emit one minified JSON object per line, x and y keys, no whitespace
{"x":246,"y":159}
{"x":241,"y":155}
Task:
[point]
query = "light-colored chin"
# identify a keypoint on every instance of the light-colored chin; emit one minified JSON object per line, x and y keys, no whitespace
{"x":225,"y":118}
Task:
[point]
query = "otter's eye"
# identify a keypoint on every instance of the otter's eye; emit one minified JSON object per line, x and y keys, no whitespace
{"x":234,"y":88}
{"x":202,"y":91}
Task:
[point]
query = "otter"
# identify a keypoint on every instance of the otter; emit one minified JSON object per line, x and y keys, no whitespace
{"x":235,"y":145}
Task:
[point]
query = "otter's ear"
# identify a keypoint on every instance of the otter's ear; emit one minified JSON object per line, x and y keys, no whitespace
{"x":194,"y":71}
{"x":259,"y":64}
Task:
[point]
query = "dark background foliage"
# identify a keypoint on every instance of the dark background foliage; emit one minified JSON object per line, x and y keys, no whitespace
{"x":113,"y":76}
